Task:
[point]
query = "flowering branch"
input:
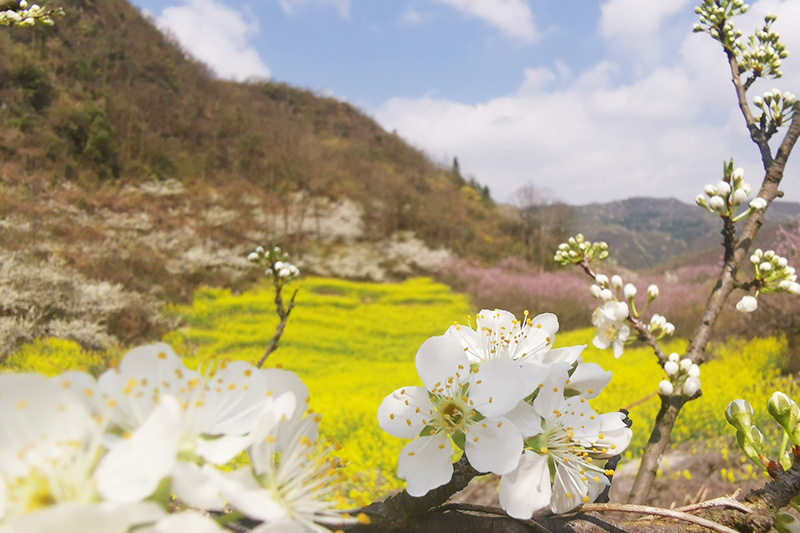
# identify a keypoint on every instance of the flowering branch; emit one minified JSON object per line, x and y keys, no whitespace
{"x":282,"y":272}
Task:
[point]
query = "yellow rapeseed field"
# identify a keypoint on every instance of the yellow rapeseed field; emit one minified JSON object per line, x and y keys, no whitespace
{"x":353,"y":343}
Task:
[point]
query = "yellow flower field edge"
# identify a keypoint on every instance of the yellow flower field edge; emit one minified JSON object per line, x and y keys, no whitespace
{"x":353,"y":343}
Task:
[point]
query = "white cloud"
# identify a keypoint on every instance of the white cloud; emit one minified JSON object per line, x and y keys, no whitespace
{"x":512,"y":17}
{"x":290,"y":7}
{"x":636,"y":26}
{"x":411,"y":17}
{"x":217,"y":35}
{"x":589,"y":137}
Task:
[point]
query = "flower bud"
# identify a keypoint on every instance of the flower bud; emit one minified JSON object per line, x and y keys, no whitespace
{"x":723,"y":188}
{"x":701,"y":200}
{"x":671,"y":368}
{"x":668,"y":329}
{"x":783,"y":410}
{"x":665,"y":388}
{"x":691,"y":386}
{"x":765,"y":267}
{"x":716,"y":203}
{"x":621,"y":311}
{"x":739,"y":197}
{"x":629,"y":291}
{"x":253,"y":257}
{"x":738,"y":174}
{"x":710,"y":190}
{"x":259,"y":249}
{"x":758,"y":101}
{"x":674,"y":357}
{"x":694,"y":371}
{"x":595,"y":290}
{"x":747,"y":304}
{"x":616,"y":281}
{"x":606,"y":295}
{"x":601,"y":280}
{"x":277,"y":265}
{"x":739,"y":414}
{"x":652,"y":292}
{"x":758,"y":203}
{"x":794,"y":288}
{"x":686,"y":364}
{"x":657,"y":322}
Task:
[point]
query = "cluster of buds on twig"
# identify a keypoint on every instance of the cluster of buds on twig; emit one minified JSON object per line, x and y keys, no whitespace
{"x":776,"y":109}
{"x":619,"y":306}
{"x":773,"y":274}
{"x":786,"y":413}
{"x":683,"y":377}
{"x":715,"y":18}
{"x":577,"y":249}
{"x":725,"y":197}
{"x":276,"y":262}
{"x":660,"y":327}
{"x":25,"y":15}
{"x":764,"y":52}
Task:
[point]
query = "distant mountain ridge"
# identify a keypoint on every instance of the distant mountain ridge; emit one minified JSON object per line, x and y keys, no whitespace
{"x":646,"y":232}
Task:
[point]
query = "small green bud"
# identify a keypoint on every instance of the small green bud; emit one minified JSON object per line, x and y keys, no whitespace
{"x":783,"y":410}
{"x":739,"y":414}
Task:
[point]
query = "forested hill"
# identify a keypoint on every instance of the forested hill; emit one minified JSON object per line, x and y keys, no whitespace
{"x":103,"y":99}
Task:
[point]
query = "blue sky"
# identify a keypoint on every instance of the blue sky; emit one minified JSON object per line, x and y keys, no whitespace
{"x":612,"y":100}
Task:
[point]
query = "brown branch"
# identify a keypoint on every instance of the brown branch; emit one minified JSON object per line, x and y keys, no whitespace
{"x":665,"y":420}
{"x":756,"y":133}
{"x":283,"y":314}
{"x":657,"y":511}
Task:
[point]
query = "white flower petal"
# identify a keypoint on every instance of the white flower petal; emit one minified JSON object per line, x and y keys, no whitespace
{"x":569,"y":489}
{"x":499,"y":386}
{"x":97,"y":518}
{"x":439,"y":358}
{"x":280,"y":381}
{"x":197,"y":486}
{"x":551,"y":395}
{"x":245,"y":494}
{"x":405,"y":412}
{"x":493,"y":445}
{"x":426,"y":463}
{"x":548,"y":321}
{"x":568,"y":354}
{"x":135,"y":466}
{"x":534,"y":373}
{"x":526,"y":489}
{"x":589,"y":379}
{"x":525,"y":419}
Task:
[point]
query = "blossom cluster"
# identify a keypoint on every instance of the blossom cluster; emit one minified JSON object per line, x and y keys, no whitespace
{"x":715,"y":18}
{"x":776,"y":108}
{"x":143,"y":445}
{"x":577,"y":249}
{"x":611,"y":319}
{"x":517,"y":408}
{"x":683,"y":377}
{"x":26,"y":15}
{"x":764,"y":52}
{"x":772,"y":274}
{"x":725,"y":197}
{"x":276,"y":264}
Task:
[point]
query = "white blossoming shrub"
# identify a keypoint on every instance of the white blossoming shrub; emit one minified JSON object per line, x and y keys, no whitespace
{"x":107,"y":455}
{"x":515,"y":406}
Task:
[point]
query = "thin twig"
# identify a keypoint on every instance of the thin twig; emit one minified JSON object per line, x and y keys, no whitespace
{"x":655,"y":511}
{"x":722,"y":501}
{"x":284,"y":316}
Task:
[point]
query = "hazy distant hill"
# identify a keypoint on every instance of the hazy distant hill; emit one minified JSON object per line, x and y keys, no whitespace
{"x":645,"y":232}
